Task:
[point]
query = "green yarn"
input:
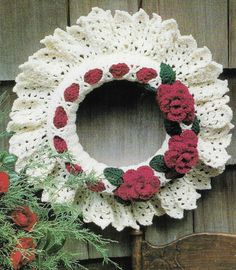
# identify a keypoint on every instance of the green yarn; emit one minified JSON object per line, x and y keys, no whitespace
{"x":114,"y":176}
{"x":167,"y":74}
{"x":9,"y":159}
{"x":126,"y":203}
{"x":196,"y":125}
{"x":172,"y":128}
{"x":158,"y":164}
{"x":172,"y":174}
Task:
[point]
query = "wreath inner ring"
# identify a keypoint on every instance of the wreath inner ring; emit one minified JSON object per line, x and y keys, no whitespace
{"x":178,"y":154}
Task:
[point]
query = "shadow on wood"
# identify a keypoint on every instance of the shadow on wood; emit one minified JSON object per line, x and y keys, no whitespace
{"x":203,"y":251}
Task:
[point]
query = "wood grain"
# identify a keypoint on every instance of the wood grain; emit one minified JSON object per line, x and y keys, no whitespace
{"x":82,"y":8}
{"x":205,"y":20}
{"x":193,"y":252}
{"x":75,"y":246}
{"x":230,"y":75}
{"x":97,"y":264}
{"x":232,"y":33}
{"x":120,"y":124}
{"x":216,"y":210}
{"x":137,"y":239}
{"x":6,"y":100}
{"x":120,"y":248}
{"x":22,"y":25}
{"x":165,"y":229}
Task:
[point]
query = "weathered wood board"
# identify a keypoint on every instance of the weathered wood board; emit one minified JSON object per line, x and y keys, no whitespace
{"x":120,"y":124}
{"x":205,"y":20}
{"x":216,"y":210}
{"x":23,"y":23}
{"x":230,"y":75}
{"x":82,"y":8}
{"x":6,"y":100}
{"x":165,"y":229}
{"x":232,"y":33}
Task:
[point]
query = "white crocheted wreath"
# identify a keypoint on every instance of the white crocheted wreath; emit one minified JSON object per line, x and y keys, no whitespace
{"x":149,"y":52}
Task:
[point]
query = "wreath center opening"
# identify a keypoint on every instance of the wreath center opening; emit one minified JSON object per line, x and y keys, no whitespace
{"x":120,"y":124}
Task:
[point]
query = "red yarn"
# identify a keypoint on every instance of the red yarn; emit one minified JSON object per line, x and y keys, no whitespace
{"x":93,"y":76}
{"x":140,"y":184}
{"x":119,"y":70}
{"x":59,"y":144}
{"x":60,"y":118}
{"x":182,"y":155}
{"x":176,"y":102}
{"x":4,"y":182}
{"x":144,"y":75}
{"x":74,"y":169}
{"x":71,"y":93}
{"x":97,"y":187}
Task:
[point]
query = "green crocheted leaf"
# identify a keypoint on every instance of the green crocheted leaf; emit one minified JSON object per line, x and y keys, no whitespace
{"x":172,"y":174}
{"x":196,"y":125}
{"x":126,"y":203}
{"x":172,"y":128}
{"x":114,"y":176}
{"x":158,"y":164}
{"x":9,"y":159}
{"x":167,"y":74}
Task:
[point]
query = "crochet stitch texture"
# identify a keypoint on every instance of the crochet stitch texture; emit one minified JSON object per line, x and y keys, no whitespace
{"x":101,"y":48}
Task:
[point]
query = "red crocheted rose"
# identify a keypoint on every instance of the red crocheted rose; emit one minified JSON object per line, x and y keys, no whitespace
{"x":24,"y":217}
{"x":71,"y":93}
{"x":140,"y":184}
{"x":144,"y":75}
{"x":59,"y":144}
{"x":93,"y":76}
{"x":176,"y":102}
{"x":74,"y":169}
{"x":4,"y":182}
{"x":23,"y":254}
{"x":97,"y":187}
{"x":182,"y":155}
{"x":119,"y":70}
{"x":60,"y":118}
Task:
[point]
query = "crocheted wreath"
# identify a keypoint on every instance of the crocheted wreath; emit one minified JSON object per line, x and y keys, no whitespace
{"x":151,"y":52}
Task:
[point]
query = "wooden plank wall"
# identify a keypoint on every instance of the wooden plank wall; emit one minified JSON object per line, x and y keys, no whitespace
{"x":212,"y":22}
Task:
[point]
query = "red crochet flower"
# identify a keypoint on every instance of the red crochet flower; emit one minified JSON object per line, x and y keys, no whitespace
{"x":140,"y":184}
{"x":176,"y":102}
{"x":74,"y":169}
{"x":93,"y":76}
{"x":24,"y":217}
{"x":182,"y":155}
{"x":119,"y":70}
{"x":60,"y":118}
{"x":144,"y":75}
{"x":4,"y":182}
{"x":71,"y":93}
{"x":59,"y":144}
{"x":97,"y":187}
{"x":22,"y":255}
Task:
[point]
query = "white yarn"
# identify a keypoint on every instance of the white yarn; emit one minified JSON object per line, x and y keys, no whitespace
{"x":98,"y":41}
